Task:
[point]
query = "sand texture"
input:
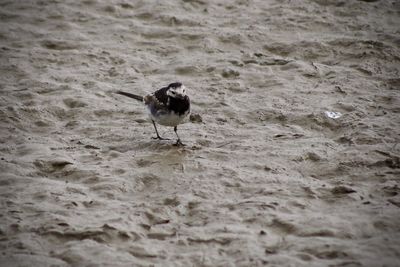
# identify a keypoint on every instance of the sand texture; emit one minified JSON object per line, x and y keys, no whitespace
{"x":293,"y":158}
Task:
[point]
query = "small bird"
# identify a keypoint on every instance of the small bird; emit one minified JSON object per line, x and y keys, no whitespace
{"x":168,"y":106}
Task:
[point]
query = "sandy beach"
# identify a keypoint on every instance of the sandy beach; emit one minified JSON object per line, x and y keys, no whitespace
{"x":292,"y":158}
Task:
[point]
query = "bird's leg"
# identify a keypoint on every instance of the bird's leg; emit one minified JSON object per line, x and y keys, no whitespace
{"x":178,"y":142}
{"x":158,"y":136}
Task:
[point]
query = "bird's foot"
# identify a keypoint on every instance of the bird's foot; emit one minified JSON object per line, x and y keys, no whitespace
{"x":160,"y":138}
{"x":179,"y":143}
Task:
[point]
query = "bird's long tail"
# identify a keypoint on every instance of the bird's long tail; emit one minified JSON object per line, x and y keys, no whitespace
{"x":137,"y":97}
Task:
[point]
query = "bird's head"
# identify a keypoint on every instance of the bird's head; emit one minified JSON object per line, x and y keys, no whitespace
{"x":176,"y":90}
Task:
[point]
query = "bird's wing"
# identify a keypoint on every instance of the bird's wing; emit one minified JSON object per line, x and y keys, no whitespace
{"x":158,"y":101}
{"x":161,"y":96}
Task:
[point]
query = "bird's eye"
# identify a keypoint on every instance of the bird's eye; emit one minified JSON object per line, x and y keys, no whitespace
{"x":173,"y":92}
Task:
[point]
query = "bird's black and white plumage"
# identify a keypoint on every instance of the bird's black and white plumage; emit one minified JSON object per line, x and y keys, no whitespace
{"x":168,"y":106}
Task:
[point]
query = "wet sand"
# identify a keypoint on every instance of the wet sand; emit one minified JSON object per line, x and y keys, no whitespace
{"x":267,"y":178}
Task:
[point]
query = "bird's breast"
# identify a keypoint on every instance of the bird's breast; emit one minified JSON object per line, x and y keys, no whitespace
{"x":167,"y":118}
